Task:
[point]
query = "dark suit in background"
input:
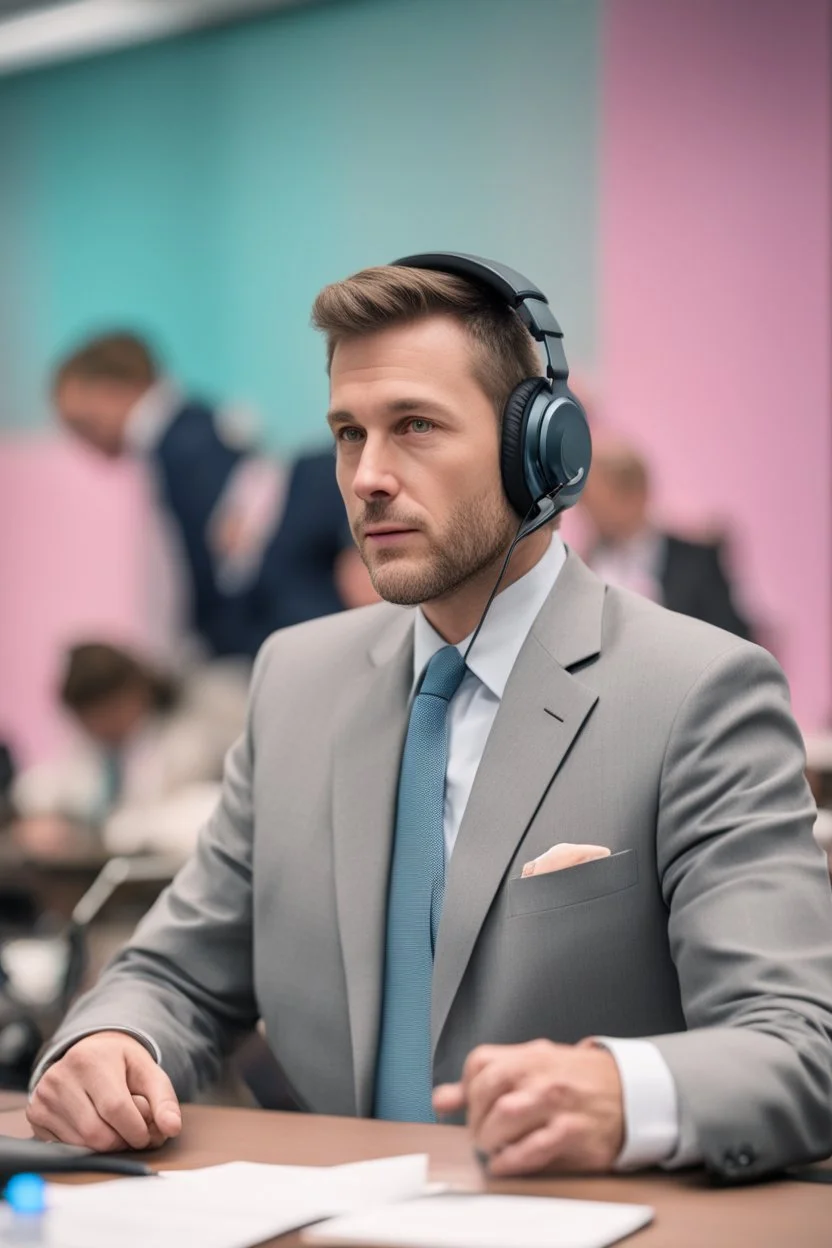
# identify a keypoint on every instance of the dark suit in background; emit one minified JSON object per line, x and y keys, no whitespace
{"x":297,"y":566}
{"x":694,"y":583}
{"x":193,"y":464}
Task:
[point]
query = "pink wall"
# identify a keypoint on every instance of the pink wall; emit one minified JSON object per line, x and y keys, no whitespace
{"x":716,"y":300}
{"x":72,"y":553}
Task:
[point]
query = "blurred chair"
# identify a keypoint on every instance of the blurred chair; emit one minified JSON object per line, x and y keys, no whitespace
{"x":41,"y":970}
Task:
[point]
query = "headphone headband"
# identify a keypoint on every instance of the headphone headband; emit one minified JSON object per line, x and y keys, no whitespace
{"x":521,"y":294}
{"x":545,"y":444}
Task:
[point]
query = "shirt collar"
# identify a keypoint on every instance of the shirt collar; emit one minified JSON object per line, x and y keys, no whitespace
{"x":506,"y":626}
{"x":150,"y":417}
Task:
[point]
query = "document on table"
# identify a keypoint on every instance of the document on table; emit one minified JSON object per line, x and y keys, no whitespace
{"x":235,"y":1205}
{"x":460,"y":1221}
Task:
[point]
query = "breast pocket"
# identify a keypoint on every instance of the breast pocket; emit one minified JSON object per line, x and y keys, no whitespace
{"x":573,"y":885}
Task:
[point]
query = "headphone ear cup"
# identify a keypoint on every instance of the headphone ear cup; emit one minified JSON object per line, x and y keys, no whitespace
{"x":512,"y":465}
{"x":566,"y":451}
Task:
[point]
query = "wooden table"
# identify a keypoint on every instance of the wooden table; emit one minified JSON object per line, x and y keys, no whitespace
{"x":11,"y":1100}
{"x":689,"y":1212}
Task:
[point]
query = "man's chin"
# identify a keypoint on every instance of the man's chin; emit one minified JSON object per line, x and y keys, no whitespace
{"x":402,"y":586}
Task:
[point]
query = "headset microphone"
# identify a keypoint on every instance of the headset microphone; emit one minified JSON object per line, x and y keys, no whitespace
{"x":547,"y":509}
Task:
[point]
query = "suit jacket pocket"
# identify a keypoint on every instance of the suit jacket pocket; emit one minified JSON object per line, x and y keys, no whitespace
{"x":573,"y":885}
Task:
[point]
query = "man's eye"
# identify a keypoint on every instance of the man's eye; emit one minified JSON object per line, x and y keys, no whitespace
{"x":419,"y":425}
{"x":349,"y":434}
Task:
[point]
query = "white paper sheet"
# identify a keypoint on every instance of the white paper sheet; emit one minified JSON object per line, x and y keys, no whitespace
{"x":459,"y":1221}
{"x":229,"y":1206}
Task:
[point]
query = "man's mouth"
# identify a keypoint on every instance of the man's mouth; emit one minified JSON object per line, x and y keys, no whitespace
{"x":381,"y":530}
{"x":385,"y":534}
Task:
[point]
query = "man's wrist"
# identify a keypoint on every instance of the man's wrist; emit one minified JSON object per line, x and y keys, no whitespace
{"x":57,"y":1051}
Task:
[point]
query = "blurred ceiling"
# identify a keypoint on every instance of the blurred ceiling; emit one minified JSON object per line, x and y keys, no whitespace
{"x":37,"y":32}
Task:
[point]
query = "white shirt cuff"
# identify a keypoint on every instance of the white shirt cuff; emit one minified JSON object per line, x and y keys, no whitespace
{"x":652,"y":1127}
{"x":52,"y":1055}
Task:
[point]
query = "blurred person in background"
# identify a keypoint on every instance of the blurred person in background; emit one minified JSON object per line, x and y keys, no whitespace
{"x":147,"y":765}
{"x":7,"y":773}
{"x":632,"y":552}
{"x":260,"y":544}
{"x":819,"y":774}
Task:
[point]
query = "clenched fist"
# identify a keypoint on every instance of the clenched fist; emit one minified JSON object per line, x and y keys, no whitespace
{"x":106,"y":1093}
{"x":540,"y":1106}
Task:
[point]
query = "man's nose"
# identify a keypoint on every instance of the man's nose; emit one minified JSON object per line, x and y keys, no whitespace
{"x":375,"y":475}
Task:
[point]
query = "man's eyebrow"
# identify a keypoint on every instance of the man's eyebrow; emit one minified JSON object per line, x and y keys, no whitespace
{"x":397,"y":407}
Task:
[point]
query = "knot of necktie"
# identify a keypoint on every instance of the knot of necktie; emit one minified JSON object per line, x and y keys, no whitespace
{"x":443,"y":674}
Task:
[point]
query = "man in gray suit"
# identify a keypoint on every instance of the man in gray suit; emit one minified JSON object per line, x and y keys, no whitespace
{"x":604,"y":932}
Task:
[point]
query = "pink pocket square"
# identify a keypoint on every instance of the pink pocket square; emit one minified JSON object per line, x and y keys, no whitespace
{"x":559,"y":857}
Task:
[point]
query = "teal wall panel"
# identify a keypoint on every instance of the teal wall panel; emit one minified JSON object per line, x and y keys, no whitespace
{"x":203,"y":189}
{"x":21,"y":268}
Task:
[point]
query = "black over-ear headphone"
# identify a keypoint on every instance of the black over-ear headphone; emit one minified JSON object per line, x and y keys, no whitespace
{"x":546,"y":446}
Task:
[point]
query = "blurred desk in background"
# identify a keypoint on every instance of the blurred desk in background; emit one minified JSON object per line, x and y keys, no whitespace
{"x":57,"y":874}
{"x":52,"y":947}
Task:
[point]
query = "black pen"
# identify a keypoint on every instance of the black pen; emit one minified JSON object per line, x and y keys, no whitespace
{"x":100,"y":1163}
{"x":39,"y":1157}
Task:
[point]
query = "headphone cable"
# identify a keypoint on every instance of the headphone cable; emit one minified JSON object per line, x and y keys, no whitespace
{"x":522,"y":532}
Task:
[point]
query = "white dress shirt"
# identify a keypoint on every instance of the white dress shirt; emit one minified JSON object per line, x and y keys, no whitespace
{"x":651,"y":1110}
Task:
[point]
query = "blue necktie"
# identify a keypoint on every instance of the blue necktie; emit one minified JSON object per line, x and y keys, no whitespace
{"x":414,"y":904}
{"x":111,"y":781}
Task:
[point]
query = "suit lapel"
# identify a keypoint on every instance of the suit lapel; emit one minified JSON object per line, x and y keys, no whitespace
{"x":541,"y":713}
{"x":369,"y":738}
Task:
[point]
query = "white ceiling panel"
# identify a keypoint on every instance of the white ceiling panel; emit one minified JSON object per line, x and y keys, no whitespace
{"x":36,"y":33}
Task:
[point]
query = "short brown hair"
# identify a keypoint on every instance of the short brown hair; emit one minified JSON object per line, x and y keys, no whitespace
{"x":109,"y":357}
{"x":504,"y":351}
{"x":96,"y":671}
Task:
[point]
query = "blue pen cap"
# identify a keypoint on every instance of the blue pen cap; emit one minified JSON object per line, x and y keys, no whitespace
{"x":26,"y":1193}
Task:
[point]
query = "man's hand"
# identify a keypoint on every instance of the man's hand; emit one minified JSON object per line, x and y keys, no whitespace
{"x":540,"y":1106}
{"x":107,"y":1093}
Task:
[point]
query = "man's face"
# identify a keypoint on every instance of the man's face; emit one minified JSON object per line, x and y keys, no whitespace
{"x":96,"y":411}
{"x":418,"y":459}
{"x":112,"y":721}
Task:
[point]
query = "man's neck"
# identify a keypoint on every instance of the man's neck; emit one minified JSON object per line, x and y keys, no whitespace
{"x":457,"y":614}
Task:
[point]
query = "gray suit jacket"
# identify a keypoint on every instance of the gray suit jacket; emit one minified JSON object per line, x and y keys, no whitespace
{"x":708,"y":930}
